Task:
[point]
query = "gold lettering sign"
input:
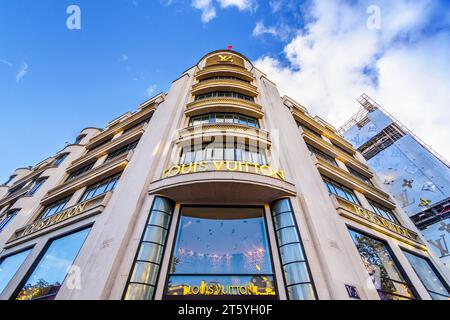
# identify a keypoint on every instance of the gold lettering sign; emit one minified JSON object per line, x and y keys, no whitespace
{"x":44,"y":223}
{"x":226,"y":58}
{"x":232,"y":166}
{"x":385,"y":223}
{"x":205,"y":289}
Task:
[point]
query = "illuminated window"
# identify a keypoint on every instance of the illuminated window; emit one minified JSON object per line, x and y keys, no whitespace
{"x":54,"y":264}
{"x":430,"y":277}
{"x":221,"y":252}
{"x":386,"y":274}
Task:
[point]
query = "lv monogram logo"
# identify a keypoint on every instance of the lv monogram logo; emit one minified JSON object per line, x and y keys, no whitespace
{"x":225,"y":58}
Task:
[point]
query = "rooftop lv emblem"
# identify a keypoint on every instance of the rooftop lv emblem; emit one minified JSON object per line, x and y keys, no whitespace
{"x":225,"y":58}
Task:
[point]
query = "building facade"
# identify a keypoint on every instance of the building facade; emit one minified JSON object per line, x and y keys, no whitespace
{"x":417,"y":176}
{"x":219,"y":189}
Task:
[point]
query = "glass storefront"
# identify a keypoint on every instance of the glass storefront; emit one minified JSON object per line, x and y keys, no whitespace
{"x":52,"y":268}
{"x":433,"y":282}
{"x":221,"y":252}
{"x":9,"y":266}
{"x":386,"y":274}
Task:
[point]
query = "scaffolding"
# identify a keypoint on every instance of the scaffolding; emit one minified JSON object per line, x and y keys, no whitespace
{"x":368,"y":105}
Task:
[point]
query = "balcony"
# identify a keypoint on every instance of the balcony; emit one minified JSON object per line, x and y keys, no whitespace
{"x":88,"y":178}
{"x":13,"y":196}
{"x":339,"y":154}
{"x":66,"y":217}
{"x":206,"y":132}
{"x":115,"y":144}
{"x":224,"y":104}
{"x":370,"y":219}
{"x":224,"y":70}
{"x":350,"y":181}
{"x":224,"y":85}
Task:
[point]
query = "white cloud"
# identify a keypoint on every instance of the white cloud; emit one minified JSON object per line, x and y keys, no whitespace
{"x":240,"y":4}
{"x":336,"y":58}
{"x":7,"y":63}
{"x":261,"y":29}
{"x":123,"y":57}
{"x":23,"y":70}
{"x":150,"y":91}
{"x":207,"y":8}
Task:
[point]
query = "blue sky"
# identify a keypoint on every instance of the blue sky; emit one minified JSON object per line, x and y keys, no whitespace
{"x":54,"y":81}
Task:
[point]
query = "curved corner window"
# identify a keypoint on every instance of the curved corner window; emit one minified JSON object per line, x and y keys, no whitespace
{"x":297,"y":274}
{"x":146,"y":268}
{"x":224,"y":94}
{"x":235,"y":118}
{"x":221,"y":252}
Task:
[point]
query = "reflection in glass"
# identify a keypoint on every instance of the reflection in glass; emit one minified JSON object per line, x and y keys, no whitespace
{"x":146,"y":267}
{"x":295,"y":267}
{"x":219,"y":247}
{"x":427,"y":274}
{"x":383,"y":270}
{"x":9,"y":267}
{"x":48,"y":276}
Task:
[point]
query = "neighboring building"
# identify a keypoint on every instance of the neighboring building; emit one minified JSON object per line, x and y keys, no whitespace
{"x":229,"y":191}
{"x":417,"y":176}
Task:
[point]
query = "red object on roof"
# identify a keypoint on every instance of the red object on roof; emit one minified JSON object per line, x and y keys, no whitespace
{"x":230,"y":47}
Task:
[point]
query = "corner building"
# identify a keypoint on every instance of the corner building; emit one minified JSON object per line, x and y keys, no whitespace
{"x":219,"y":189}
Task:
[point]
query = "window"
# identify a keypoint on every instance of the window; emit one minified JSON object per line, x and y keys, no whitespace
{"x":54,"y":208}
{"x":121,"y":151}
{"x":60,"y":159}
{"x":37,"y":185}
{"x":9,"y":266}
{"x":101,"y":144}
{"x":223,"y":151}
{"x":80,"y":171}
{"x":307,"y":129}
{"x":295,"y":266}
{"x":79,"y":138}
{"x":224,"y":78}
{"x":360,"y":176}
{"x":16,"y":188}
{"x":322,"y":155}
{"x":383,"y":211}
{"x":427,"y":273}
{"x":224,"y":94}
{"x":100,"y":188}
{"x":224,"y":118}
{"x":221,"y":252}
{"x":52,"y":268}
{"x":7,"y":218}
{"x":141,"y":123}
{"x":340,"y":191}
{"x":148,"y":260}
{"x":342,"y":149}
{"x":384,"y":271}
